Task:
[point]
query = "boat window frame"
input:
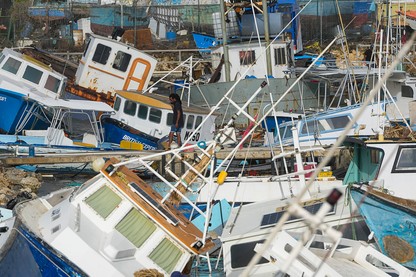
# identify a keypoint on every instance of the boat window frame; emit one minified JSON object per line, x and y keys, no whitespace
{"x":240,"y":258}
{"x":247,"y":57}
{"x":169,"y":119}
{"x":122,"y":63}
{"x":2,"y":57}
{"x":141,"y":106}
{"x":15,"y":61}
{"x":101,"y":55}
{"x":395,"y":168}
{"x":152,"y":116}
{"x":280,"y":57}
{"x":190,"y":125}
{"x":86,"y":47}
{"x":198,"y":121}
{"x":99,"y":201}
{"x":30,"y":74}
{"x":128,"y":102}
{"x":117,"y":104}
{"x":137,"y":236}
{"x":55,"y":86}
{"x":406,"y":90}
{"x":175,"y":254}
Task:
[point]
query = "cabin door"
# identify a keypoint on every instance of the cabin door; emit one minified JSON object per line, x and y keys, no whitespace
{"x":137,"y":75}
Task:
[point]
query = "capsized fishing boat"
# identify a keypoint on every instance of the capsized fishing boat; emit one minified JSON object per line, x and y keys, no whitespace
{"x":108,"y":65}
{"x":114,"y":224}
{"x":23,"y":81}
{"x":313,"y":241}
{"x":379,"y":176}
{"x":146,"y":119}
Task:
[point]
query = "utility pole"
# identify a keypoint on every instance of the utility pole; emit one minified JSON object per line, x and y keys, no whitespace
{"x":267,"y":37}
{"x":224,"y":42}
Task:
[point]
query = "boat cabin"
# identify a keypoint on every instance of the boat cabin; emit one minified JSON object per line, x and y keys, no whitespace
{"x":107,"y":65}
{"x":23,"y":81}
{"x":32,"y":74}
{"x":242,"y":56}
{"x":152,"y":114}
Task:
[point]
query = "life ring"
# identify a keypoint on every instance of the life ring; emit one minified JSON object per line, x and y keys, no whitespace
{"x":202,"y":144}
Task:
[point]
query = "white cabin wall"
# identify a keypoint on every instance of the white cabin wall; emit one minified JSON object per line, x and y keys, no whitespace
{"x":104,"y":78}
{"x":258,"y":70}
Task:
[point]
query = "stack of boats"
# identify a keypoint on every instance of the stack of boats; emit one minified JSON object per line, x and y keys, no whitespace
{"x":298,"y":221}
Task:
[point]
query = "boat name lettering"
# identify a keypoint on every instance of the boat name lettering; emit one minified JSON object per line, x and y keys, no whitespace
{"x":145,"y":146}
{"x":411,"y":225}
{"x":2,"y":98}
{"x":194,"y":137}
{"x":126,"y":137}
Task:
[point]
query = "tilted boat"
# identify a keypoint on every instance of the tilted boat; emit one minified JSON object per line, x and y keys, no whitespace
{"x":114,"y":224}
{"x":380,"y":176}
{"x":23,"y":81}
{"x":147,"y":118}
{"x":108,"y":65}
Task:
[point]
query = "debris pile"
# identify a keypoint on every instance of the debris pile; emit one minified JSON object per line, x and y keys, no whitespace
{"x":14,"y":182}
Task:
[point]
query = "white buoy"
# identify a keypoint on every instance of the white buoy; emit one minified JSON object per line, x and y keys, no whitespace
{"x":97,"y":164}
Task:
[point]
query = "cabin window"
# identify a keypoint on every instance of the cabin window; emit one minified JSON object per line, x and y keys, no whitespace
{"x":247,"y":57}
{"x":155,"y":115}
{"x":32,"y":74}
{"x":312,"y":127}
{"x":130,"y":107}
{"x":122,"y":60}
{"x":101,"y":54}
{"x":12,"y":65}
{"x":335,"y":123}
{"x":166,"y":255}
{"x":241,"y":254}
{"x":142,"y":113}
{"x":280,"y":56}
{"x":198,"y":121}
{"x":169,"y":119}
{"x":190,"y":122}
{"x":52,"y":84}
{"x":405,"y":160}
{"x":117,"y":104}
{"x":407,"y":91}
{"x":103,"y":201}
{"x":136,"y":227}
{"x":86,"y":48}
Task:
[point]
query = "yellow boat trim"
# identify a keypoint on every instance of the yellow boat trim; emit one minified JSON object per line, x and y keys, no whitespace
{"x":141,"y":98}
{"x":35,"y":61}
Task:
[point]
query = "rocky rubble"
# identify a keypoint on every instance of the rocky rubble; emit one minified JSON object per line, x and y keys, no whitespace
{"x":14,"y":181}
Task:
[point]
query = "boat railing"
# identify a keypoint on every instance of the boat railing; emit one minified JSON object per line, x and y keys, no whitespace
{"x":180,"y":55}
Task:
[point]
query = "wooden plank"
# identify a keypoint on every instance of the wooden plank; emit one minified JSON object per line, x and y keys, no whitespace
{"x":253,"y":153}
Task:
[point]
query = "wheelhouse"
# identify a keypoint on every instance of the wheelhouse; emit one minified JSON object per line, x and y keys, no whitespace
{"x":152,"y":114}
{"x":32,"y":73}
{"x":107,"y":65}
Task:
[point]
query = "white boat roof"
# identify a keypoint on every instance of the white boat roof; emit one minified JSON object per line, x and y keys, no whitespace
{"x":246,"y":220}
{"x":72,"y":104}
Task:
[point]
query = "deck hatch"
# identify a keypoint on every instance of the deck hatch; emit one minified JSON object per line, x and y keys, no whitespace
{"x":139,"y":191}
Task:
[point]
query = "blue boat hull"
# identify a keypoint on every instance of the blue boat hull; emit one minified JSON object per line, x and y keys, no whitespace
{"x":116,"y":131}
{"x":394,"y":226}
{"x":13,"y":105}
{"x":29,"y":256}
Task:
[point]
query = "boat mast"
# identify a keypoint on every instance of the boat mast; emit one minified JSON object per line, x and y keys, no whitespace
{"x":224,"y":42}
{"x":267,"y":37}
